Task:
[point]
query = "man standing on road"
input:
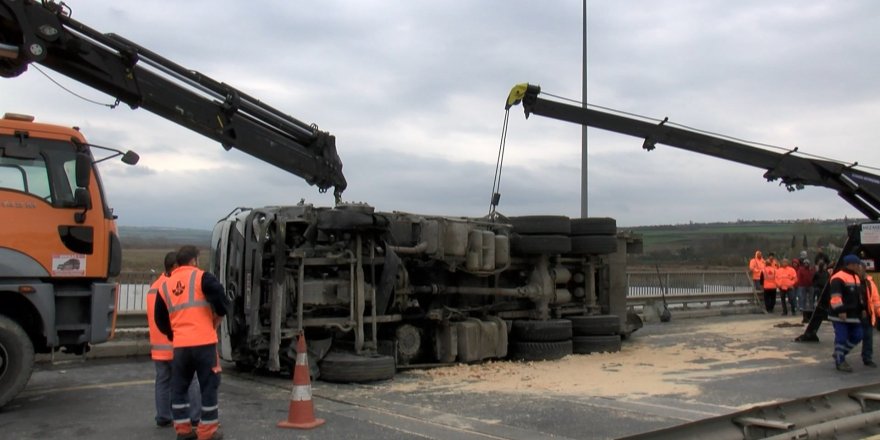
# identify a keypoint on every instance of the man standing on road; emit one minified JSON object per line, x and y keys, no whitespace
{"x":873,"y":300}
{"x":804,"y":289}
{"x":820,"y":299}
{"x":161,"y":351}
{"x":756,"y":267}
{"x":769,"y":283}
{"x":786,"y":278}
{"x":190,"y":308}
{"x":848,"y":309}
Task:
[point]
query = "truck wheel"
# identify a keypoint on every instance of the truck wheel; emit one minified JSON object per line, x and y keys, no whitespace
{"x":16,"y":359}
{"x":540,"y":244}
{"x":349,"y":367}
{"x":595,"y":344}
{"x":541,"y":224}
{"x":595,"y":325}
{"x":594,"y":244}
{"x":593,"y":226}
{"x":539,"y":351}
{"x":550,"y":330}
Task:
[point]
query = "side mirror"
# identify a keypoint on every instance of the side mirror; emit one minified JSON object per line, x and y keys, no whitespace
{"x":83,"y":170}
{"x":130,"y":158}
{"x":82,"y":199}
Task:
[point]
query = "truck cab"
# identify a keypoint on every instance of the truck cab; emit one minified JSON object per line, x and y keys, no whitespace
{"x":58,"y":250}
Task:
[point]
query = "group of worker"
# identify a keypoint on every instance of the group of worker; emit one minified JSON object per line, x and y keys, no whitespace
{"x":798,"y":281}
{"x":184,"y":308}
{"x":853,"y":303}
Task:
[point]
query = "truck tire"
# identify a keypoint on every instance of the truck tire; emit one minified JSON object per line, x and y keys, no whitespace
{"x":595,"y":325}
{"x":551,"y":330}
{"x":540,"y":244}
{"x":539,"y":351}
{"x":595,"y":344}
{"x":594,"y":244}
{"x":16,"y":359}
{"x":348,"y":367}
{"x":541,"y":224}
{"x":593,"y":226}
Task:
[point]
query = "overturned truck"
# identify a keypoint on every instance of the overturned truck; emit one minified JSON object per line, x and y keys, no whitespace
{"x":377,"y":291}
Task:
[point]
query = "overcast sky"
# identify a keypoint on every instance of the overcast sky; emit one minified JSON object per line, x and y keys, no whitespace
{"x":414,"y":93}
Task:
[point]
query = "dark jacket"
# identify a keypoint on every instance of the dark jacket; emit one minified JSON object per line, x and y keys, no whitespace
{"x":847,"y":295}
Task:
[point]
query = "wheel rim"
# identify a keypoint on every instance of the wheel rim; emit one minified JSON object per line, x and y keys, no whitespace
{"x":4,"y":360}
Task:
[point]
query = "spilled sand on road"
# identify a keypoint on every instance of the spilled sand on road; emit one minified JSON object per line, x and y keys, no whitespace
{"x":644,"y":366}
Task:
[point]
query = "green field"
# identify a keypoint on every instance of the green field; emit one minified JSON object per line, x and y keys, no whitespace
{"x":144,"y":249}
{"x":732,"y":244}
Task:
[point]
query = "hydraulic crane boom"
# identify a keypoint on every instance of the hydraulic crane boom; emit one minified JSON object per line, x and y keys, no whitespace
{"x":44,"y":33}
{"x":859,"y":188}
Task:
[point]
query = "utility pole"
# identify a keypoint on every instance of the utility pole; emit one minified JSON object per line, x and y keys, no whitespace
{"x":584,"y":128}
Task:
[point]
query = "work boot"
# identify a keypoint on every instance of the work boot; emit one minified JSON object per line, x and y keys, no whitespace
{"x":807,"y":337}
{"x":218,"y":435}
{"x":844,"y":366}
{"x":191,"y":435}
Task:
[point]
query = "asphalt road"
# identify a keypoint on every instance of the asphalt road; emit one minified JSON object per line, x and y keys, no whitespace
{"x":112,"y":399}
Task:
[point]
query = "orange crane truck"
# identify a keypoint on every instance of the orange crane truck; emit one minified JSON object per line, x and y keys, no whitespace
{"x":58,"y":249}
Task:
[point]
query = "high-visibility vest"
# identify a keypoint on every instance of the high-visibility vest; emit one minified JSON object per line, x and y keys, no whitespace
{"x":786,"y":277}
{"x":756,"y":265}
{"x":873,"y":299}
{"x":160,"y":346}
{"x":848,"y":297}
{"x":769,"y":276}
{"x":190,"y":313}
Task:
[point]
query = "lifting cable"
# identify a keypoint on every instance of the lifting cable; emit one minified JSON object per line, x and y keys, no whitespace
{"x":499,"y":162}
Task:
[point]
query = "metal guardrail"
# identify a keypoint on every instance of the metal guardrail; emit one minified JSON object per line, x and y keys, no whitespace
{"x":681,"y":290}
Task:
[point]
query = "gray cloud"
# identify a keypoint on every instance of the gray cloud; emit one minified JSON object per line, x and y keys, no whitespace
{"x":414,"y":94}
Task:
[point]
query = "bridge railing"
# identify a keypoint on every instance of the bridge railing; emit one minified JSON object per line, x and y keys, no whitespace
{"x":683,"y":289}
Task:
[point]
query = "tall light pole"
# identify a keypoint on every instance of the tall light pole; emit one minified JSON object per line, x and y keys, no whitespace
{"x":584,"y":128}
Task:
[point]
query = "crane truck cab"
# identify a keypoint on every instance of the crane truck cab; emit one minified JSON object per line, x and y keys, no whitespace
{"x":58,"y":250}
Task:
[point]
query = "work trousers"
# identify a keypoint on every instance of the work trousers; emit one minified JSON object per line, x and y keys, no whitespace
{"x":806,"y":298}
{"x":788,"y":299}
{"x":163,"y":395}
{"x":200,"y":360}
{"x":846,"y":336}
{"x":770,"y":299}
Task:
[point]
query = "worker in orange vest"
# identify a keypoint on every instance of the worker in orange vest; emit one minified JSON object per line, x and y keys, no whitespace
{"x":868,"y":325}
{"x":162,"y":352}
{"x":848,"y":307}
{"x":756,"y":267}
{"x":769,"y":284}
{"x":786,"y":278}
{"x":189,"y":309}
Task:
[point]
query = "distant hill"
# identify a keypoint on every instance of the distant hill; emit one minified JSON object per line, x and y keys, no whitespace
{"x":733,"y":243}
{"x":135,"y":237}
{"x":710,"y":244}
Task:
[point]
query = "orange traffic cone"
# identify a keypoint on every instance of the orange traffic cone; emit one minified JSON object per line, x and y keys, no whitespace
{"x":301,"y":414}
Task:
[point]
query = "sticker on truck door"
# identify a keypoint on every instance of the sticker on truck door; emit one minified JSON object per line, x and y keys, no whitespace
{"x":68,"y":265}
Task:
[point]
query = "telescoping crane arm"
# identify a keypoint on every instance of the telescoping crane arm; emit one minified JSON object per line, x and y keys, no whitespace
{"x":44,"y":33}
{"x":859,"y":188}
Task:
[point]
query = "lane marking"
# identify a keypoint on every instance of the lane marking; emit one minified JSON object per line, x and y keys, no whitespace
{"x":41,"y":391}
